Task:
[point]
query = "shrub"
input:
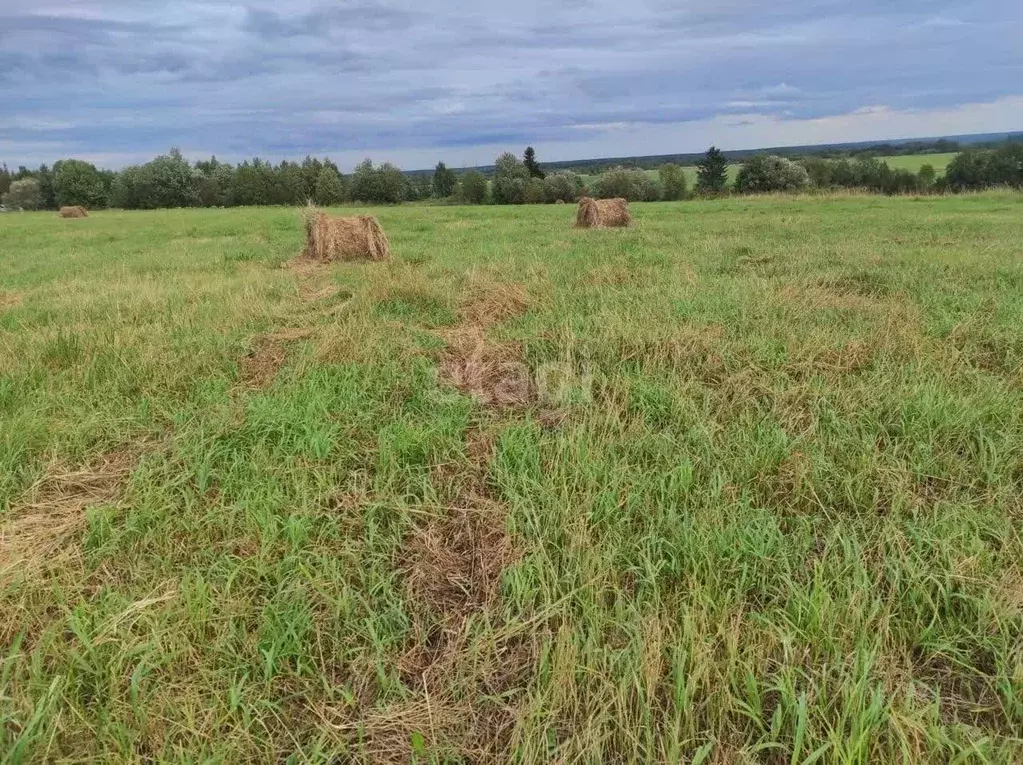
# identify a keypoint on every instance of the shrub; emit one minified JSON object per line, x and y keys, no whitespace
{"x":969,"y":170}
{"x":673,"y":181}
{"x":627,"y":183}
{"x":78,"y":183}
{"x":472,"y":188}
{"x":510,"y":178}
{"x":534,"y":192}
{"x":565,"y":186}
{"x":926,"y":177}
{"x":820,"y":171}
{"x":23,"y":194}
{"x":765,"y":173}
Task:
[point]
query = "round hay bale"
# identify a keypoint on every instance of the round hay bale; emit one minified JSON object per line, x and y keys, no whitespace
{"x":603,"y":213}
{"x":330,"y":238}
{"x":73,"y":211}
{"x":559,"y":201}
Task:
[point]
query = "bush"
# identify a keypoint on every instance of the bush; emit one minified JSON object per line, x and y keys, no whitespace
{"x":472,"y":188}
{"x":673,"y":181}
{"x":628,"y":183}
{"x":926,"y":177}
{"x":510,"y":178}
{"x":765,"y":173}
{"x":23,"y":194}
{"x":534,"y":192}
{"x":78,"y":183}
{"x":564,"y":186}
{"x":969,"y":170}
{"x":820,"y":171}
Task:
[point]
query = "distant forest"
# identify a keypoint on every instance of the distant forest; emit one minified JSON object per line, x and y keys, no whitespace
{"x":868,"y":149}
{"x":171,"y":180}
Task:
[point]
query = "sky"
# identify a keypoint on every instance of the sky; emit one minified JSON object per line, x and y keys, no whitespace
{"x":117,"y":82}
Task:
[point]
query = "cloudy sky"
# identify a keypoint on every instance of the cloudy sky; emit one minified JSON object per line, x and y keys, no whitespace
{"x":118,"y":81}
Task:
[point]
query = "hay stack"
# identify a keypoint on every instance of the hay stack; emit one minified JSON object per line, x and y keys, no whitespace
{"x":335,"y":238}
{"x":602,"y":213}
{"x":75,"y":211}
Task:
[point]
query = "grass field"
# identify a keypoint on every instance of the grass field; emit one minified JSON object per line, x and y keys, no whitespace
{"x":740,"y":484}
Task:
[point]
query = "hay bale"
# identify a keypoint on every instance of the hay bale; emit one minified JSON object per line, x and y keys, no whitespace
{"x":73,"y":211}
{"x":331,"y":238}
{"x":559,"y":201}
{"x":602,"y":213}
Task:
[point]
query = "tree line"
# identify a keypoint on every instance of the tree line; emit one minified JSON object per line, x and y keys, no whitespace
{"x":172,"y":181}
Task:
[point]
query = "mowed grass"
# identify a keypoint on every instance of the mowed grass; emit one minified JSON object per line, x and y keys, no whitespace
{"x":913,"y":162}
{"x":768,"y":510}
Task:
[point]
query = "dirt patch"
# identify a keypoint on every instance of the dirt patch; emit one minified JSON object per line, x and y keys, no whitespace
{"x":42,"y":530}
{"x":269,"y":352}
{"x":492,"y":373}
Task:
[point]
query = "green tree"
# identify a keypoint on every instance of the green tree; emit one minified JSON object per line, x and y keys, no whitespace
{"x":970,"y":169}
{"x":712,"y":172}
{"x":365,"y":185}
{"x":927,"y":176}
{"x":215,"y":183}
{"x":392,"y":183}
{"x":47,"y":193}
{"x":764,"y":173}
{"x":534,"y":192}
{"x":564,"y":186}
{"x":23,"y":194}
{"x":5,"y":180}
{"x":532,"y":166}
{"x":78,"y":183}
{"x":444,"y":181}
{"x":472,"y":188}
{"x":329,"y":188}
{"x":628,"y":183}
{"x":510,"y":178}
{"x":673,"y":181}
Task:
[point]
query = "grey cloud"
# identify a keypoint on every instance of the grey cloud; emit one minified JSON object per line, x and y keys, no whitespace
{"x":284,"y":78}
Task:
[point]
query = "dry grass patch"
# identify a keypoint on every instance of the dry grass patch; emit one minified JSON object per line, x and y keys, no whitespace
{"x":492,"y":373}
{"x":485,"y":301}
{"x":42,"y":529}
{"x":9,"y":300}
{"x":269,"y":352}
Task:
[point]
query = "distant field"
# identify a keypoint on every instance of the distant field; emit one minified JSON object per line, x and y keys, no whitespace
{"x":914,"y":162}
{"x":740,"y":484}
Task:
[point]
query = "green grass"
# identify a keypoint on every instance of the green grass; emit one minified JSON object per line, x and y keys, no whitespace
{"x":774,"y":515}
{"x":913,"y":162}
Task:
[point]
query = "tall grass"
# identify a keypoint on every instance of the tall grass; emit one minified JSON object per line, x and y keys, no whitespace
{"x":774,"y":515}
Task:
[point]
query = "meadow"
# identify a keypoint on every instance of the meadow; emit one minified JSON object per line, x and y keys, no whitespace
{"x":739,"y":484}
